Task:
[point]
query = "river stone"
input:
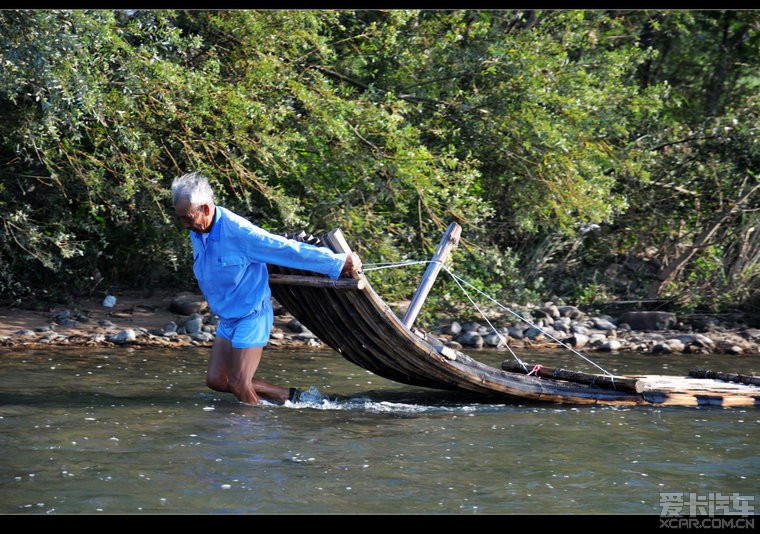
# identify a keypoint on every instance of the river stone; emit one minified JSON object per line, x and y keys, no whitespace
{"x":533,"y":333}
{"x":171,"y":326}
{"x":202,"y":336}
{"x":649,"y":320}
{"x":579,"y":329}
{"x":194,"y":325}
{"x":453,"y":329}
{"x":578,"y":340}
{"x":63,"y":314}
{"x":675,"y":345}
{"x":188,"y":304}
{"x":570,"y":311}
{"x":122,"y":337}
{"x":750,"y":333}
{"x":295,"y":326}
{"x":472,"y":326}
{"x":495,"y":340}
{"x":305,"y":335}
{"x":471,"y":339}
{"x":549,"y":311}
{"x":25,"y":332}
{"x":611,"y":345}
{"x":517,"y":331}
{"x":604,"y":324}
{"x":696,"y":339}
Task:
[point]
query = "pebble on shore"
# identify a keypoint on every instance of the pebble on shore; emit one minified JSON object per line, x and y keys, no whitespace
{"x":545,"y":327}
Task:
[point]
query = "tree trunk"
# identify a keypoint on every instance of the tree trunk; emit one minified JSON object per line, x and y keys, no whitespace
{"x":670,"y":272}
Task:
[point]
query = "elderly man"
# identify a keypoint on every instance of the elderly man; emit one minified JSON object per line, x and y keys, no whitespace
{"x":230,"y":257}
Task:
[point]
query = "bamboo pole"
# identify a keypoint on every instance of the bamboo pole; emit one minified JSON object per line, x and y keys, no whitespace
{"x":337,"y":242}
{"x":449,"y":241}
{"x":316,"y":281}
{"x":603,"y":381}
{"x":727,"y":377}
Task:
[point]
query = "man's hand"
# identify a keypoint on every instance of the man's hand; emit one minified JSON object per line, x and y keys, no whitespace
{"x":353,"y":266}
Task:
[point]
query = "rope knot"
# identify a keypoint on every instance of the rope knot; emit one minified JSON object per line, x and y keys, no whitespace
{"x":536,"y":369}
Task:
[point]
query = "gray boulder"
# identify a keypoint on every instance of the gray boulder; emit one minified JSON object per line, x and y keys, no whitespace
{"x":187,"y":304}
{"x":649,"y":320}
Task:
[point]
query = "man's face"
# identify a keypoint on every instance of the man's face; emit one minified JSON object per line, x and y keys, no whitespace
{"x":196,"y":220}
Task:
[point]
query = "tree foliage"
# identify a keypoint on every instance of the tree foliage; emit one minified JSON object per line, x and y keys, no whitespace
{"x":578,"y":149}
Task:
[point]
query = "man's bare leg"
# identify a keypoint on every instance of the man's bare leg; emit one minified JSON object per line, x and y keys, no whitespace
{"x":232,"y":370}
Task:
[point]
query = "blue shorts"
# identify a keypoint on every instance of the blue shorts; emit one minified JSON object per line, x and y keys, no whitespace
{"x":250,"y":331}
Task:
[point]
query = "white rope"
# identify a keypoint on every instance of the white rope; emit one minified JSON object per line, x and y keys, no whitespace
{"x":459,"y":281}
{"x":506,"y":344}
{"x":544,"y":332}
{"x":390,"y":265}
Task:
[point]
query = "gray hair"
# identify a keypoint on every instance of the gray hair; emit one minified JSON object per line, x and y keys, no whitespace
{"x":194,"y":187}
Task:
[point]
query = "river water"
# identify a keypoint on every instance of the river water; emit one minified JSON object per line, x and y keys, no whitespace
{"x":136,"y":431}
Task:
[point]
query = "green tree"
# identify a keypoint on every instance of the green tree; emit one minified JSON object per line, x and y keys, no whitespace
{"x":587,"y":154}
{"x":546,"y":105}
{"x":689,"y":235}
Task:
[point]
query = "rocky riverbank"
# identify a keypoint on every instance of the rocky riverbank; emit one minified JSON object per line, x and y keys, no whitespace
{"x":181,"y":320}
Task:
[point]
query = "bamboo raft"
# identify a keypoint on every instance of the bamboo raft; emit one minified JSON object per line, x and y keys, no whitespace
{"x":353,"y":320}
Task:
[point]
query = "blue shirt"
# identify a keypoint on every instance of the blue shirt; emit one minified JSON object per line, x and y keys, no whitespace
{"x":231,"y":266}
